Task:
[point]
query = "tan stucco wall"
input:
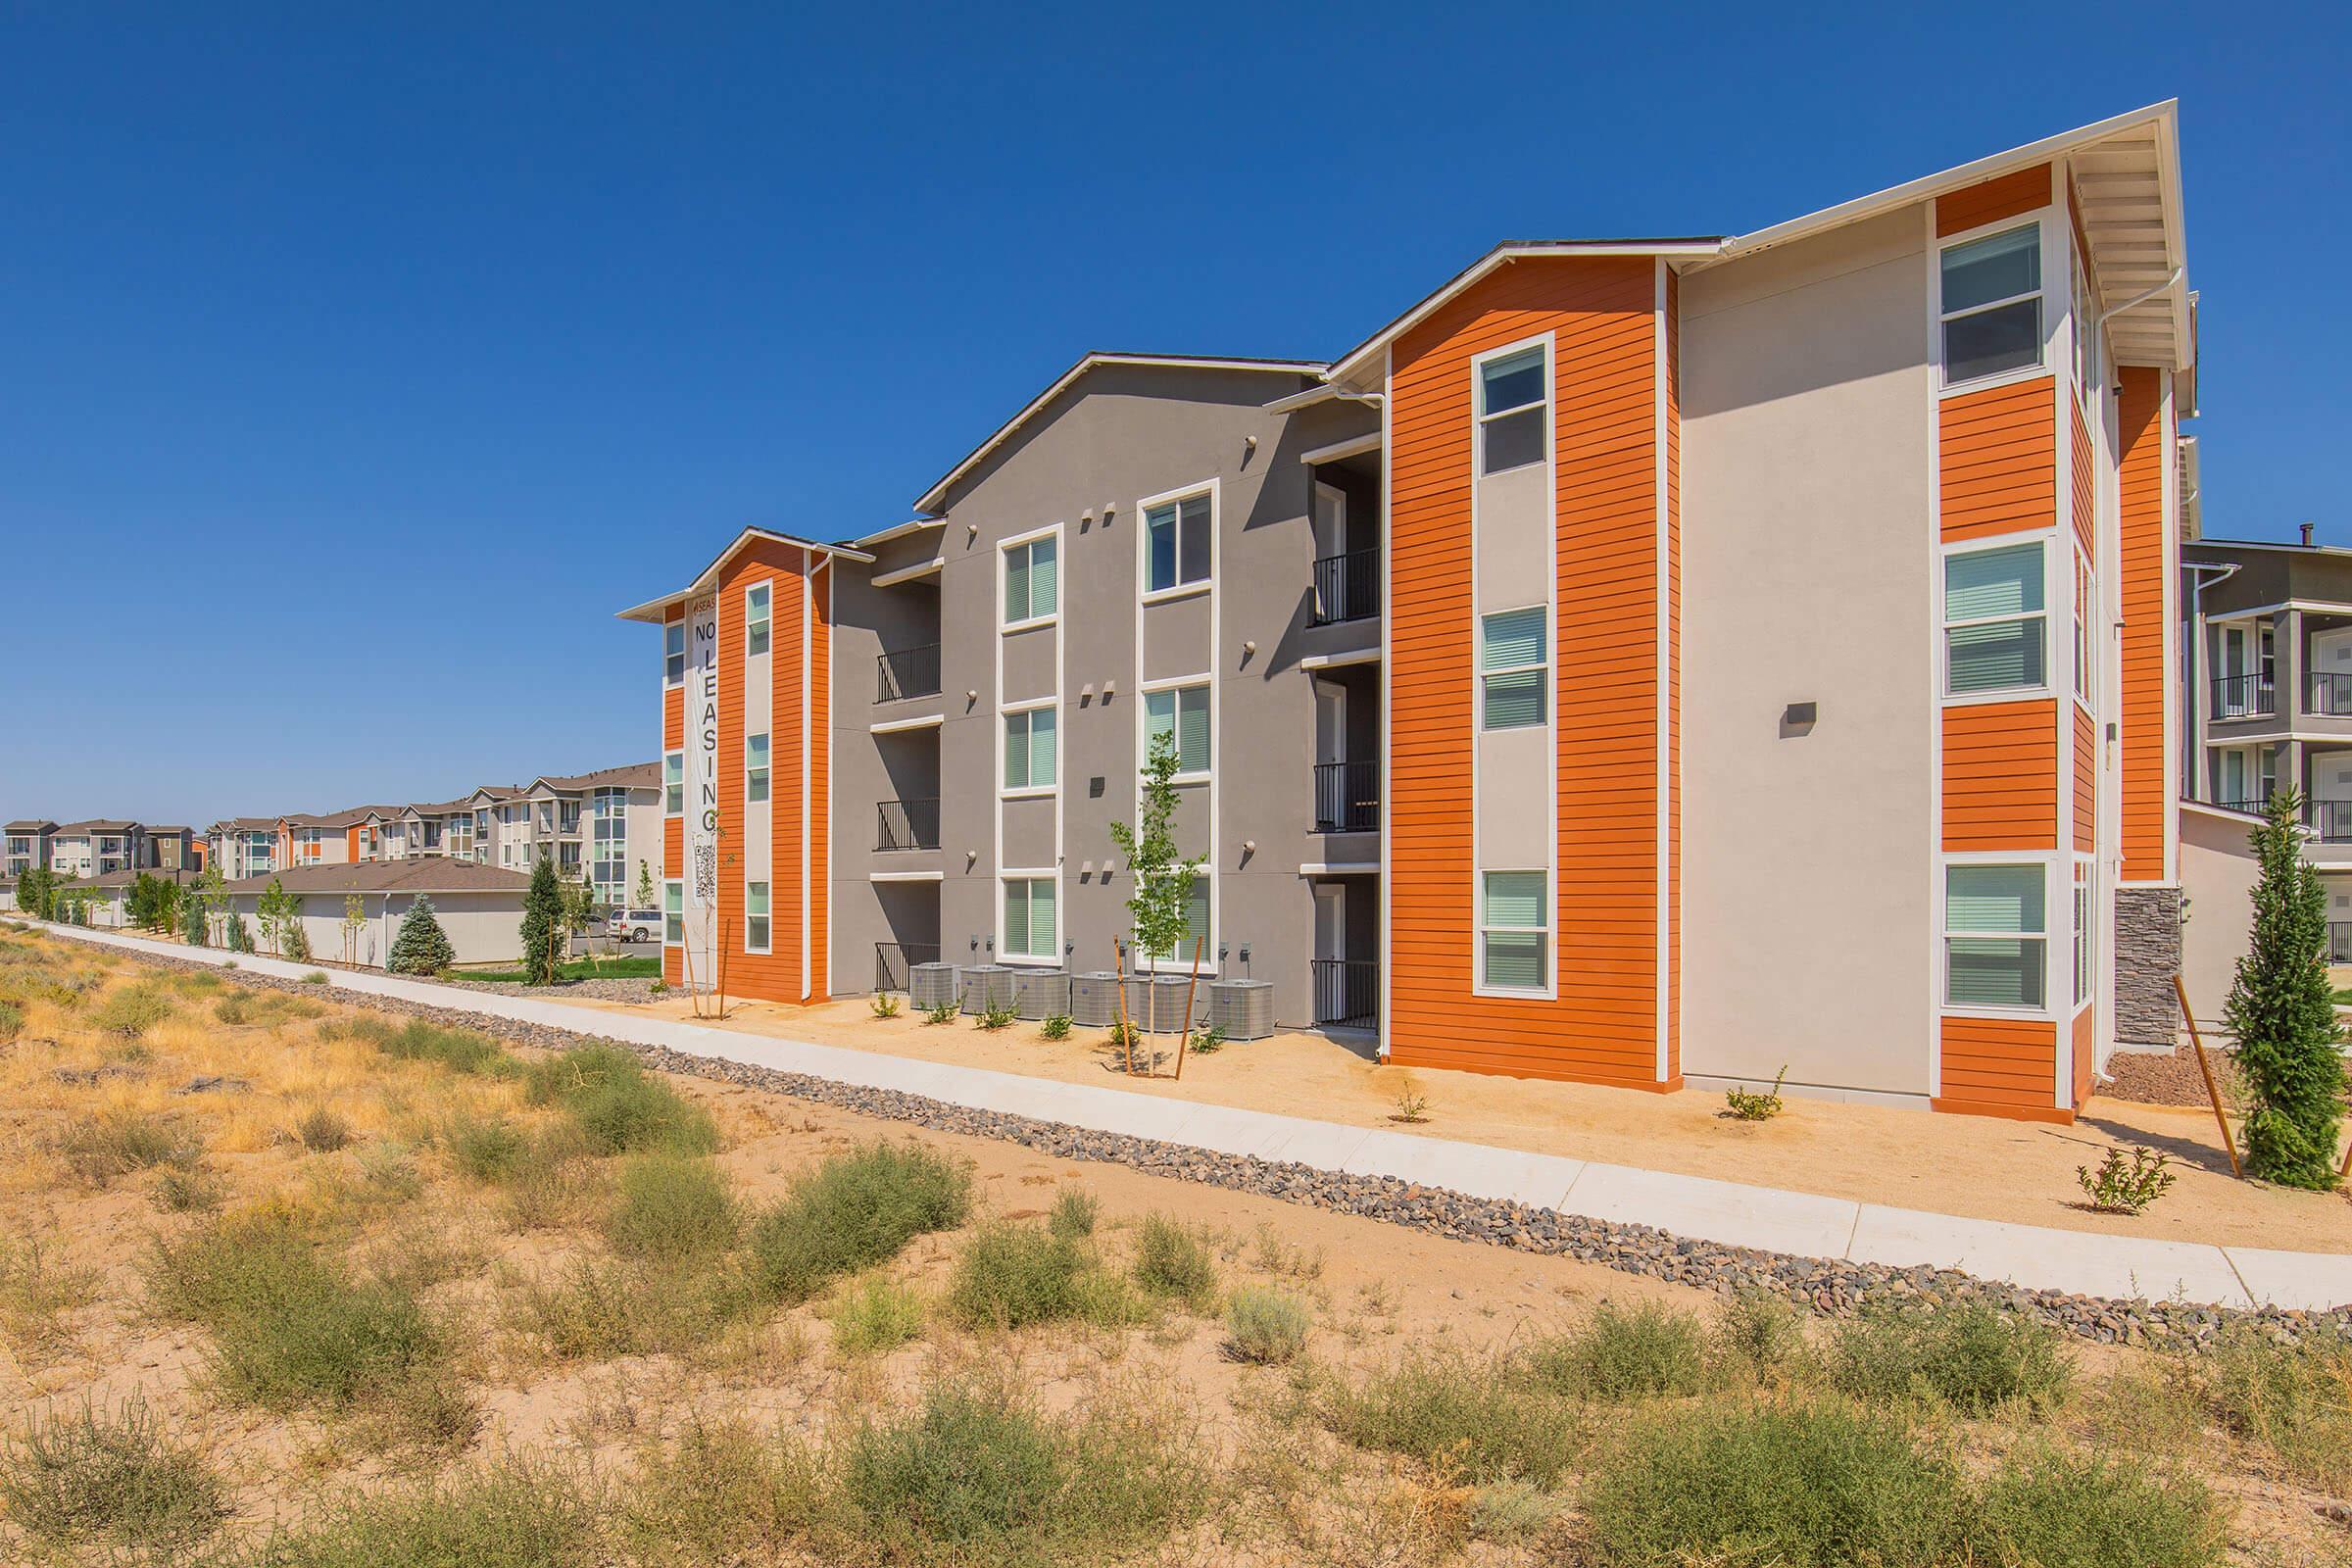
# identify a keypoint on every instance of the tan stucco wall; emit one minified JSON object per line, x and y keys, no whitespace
{"x":1807,"y":857}
{"x":2217,"y":872}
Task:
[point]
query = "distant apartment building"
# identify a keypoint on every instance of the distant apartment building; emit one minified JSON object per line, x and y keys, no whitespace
{"x":97,"y":848}
{"x":1651,"y":663}
{"x":26,"y":846}
{"x":240,"y":847}
{"x":171,"y":848}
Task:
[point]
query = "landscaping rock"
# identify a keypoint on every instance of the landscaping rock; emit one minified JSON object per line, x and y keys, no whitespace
{"x":215,"y":1084}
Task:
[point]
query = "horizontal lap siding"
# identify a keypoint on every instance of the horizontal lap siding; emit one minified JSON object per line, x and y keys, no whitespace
{"x":2085,"y":493}
{"x":2086,"y":1048}
{"x":2003,"y":196}
{"x":2087,"y":782}
{"x":2001,"y":1066}
{"x":1999,"y":461}
{"x":2140,"y":705}
{"x":2000,"y":776}
{"x":776,"y":975}
{"x":1603,"y":1025}
{"x":817,"y":720}
{"x":673,"y":829}
{"x":1674,"y":678}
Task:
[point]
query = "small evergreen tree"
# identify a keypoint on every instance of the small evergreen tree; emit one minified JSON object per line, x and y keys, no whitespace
{"x":645,"y":885}
{"x":239,"y":938}
{"x":192,"y":923}
{"x":542,"y":924}
{"x":33,"y":887}
{"x":297,"y":942}
{"x":2283,"y":1011}
{"x":1163,"y":884}
{"x":419,"y":945}
{"x":141,"y":902}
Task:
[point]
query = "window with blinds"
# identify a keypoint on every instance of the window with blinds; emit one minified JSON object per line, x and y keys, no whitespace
{"x":1029,"y":919}
{"x":673,"y":913}
{"x":1513,"y":646}
{"x":1991,"y":305}
{"x":756,"y":619}
{"x":1510,"y":412}
{"x":754,"y":767}
{"x":1029,"y":749}
{"x":673,"y":786}
{"x":673,"y":654}
{"x":1031,"y":582}
{"x":1181,"y":713}
{"x":1995,"y":623}
{"x":1514,"y":930}
{"x":1196,"y":928}
{"x":1994,"y":927}
{"x":1176,"y":539}
{"x":755,"y":917}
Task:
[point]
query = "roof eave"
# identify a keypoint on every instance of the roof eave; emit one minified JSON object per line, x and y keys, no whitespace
{"x":657,"y":611}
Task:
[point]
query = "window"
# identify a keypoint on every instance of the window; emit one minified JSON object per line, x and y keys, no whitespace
{"x":754,"y":767}
{"x":673,"y":654}
{"x":1510,"y":412}
{"x":1183,"y":713}
{"x":673,"y":783}
{"x":1993,"y":630}
{"x":1029,"y":582}
{"x":1993,"y":304}
{"x":1029,"y":919}
{"x":1993,"y":941}
{"x":2087,"y":648}
{"x":673,"y":914}
{"x":1029,"y":749}
{"x":1514,"y":929}
{"x":1196,"y":929}
{"x":2086,"y":337}
{"x":756,"y":620}
{"x":2085,"y":934}
{"x":1176,"y":538}
{"x":1511,"y":655}
{"x":755,"y":917}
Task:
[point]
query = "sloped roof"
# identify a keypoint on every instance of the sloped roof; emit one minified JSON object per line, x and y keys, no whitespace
{"x":97,"y":824}
{"x":28,"y":827}
{"x":632,"y":776}
{"x":656,"y":610}
{"x":420,"y":874}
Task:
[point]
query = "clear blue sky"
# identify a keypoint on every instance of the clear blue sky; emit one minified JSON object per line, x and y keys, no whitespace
{"x":352,"y":371}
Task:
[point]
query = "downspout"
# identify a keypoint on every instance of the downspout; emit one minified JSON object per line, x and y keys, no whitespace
{"x":2193,"y":764}
{"x":2165,"y":287}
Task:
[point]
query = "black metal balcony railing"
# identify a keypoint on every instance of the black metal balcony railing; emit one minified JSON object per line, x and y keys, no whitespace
{"x":907,"y":825}
{"x":908,"y":672}
{"x":891,"y":960}
{"x":2331,"y":694}
{"x":1346,"y":992}
{"x":2244,"y":696}
{"x":1348,"y":586}
{"x":1347,"y":797}
{"x":2254,"y":807}
{"x":2330,"y":822}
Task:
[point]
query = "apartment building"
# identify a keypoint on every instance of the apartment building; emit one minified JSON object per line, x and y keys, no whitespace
{"x":171,"y":848}
{"x":97,"y":848}
{"x":1645,"y":661}
{"x":26,"y":846}
{"x":242,"y":846}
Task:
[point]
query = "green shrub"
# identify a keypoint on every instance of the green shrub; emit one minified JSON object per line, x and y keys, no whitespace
{"x":596,"y":1310}
{"x":559,"y":1181}
{"x":876,"y":1315}
{"x":1477,"y":1412}
{"x":1825,"y":1486}
{"x":2055,"y":1510}
{"x":12,"y":1021}
{"x":132,"y":1010}
{"x":194,"y":1191}
{"x":1626,"y":1353}
{"x":720,"y":1493}
{"x":1265,"y":1325}
{"x":618,"y":1105}
{"x":671,"y":1209}
{"x":1972,"y":1356}
{"x":1074,"y":1214}
{"x":110,"y":1147}
{"x":1742,"y":1103}
{"x":1171,"y":1261}
{"x":945,"y":1013}
{"x":323,"y":1132}
{"x":1010,"y":1276}
{"x":884,"y":1005}
{"x":2294,"y":1400}
{"x":1056,"y":1027}
{"x":314,"y":977}
{"x":459,"y":1050}
{"x":1757,"y":1337}
{"x":109,"y":1476}
{"x":999,"y":1015}
{"x":517,"y":1513}
{"x":489,"y":1150}
{"x":855,"y":1210}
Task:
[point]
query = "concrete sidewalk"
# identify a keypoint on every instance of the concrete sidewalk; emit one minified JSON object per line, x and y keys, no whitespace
{"x":2037,"y":1258}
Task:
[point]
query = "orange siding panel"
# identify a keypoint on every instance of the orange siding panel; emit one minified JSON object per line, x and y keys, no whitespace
{"x":1999,"y":459}
{"x":1674,"y":676}
{"x":2140,"y":704}
{"x":2085,"y":1045}
{"x":2087,"y":782}
{"x":2000,"y":776}
{"x":776,"y":975}
{"x":2001,"y":1068}
{"x":1602,"y":1026}
{"x":2086,"y":496}
{"x":2003,"y":196}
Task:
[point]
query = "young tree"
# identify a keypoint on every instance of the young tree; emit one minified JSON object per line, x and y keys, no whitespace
{"x":274,"y":910}
{"x":141,"y":901}
{"x":2283,"y":1011}
{"x":645,"y":885}
{"x":34,"y":887}
{"x":419,"y":945}
{"x":1163,"y":884}
{"x":167,"y":900}
{"x":211,"y":892}
{"x":354,"y":921}
{"x":236,"y":938}
{"x":192,"y":923}
{"x":542,"y":925}
{"x":581,"y":910}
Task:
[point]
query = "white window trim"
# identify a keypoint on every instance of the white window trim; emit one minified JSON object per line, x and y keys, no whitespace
{"x":2085,"y":647}
{"x":1143,"y":542}
{"x":2084,"y":976}
{"x":667,"y":884}
{"x":668,"y":684}
{"x":680,"y":811}
{"x":1949,"y":697}
{"x":769,"y":769}
{"x":769,"y":946}
{"x":1944,"y":384}
{"x":1028,"y":792}
{"x":2053,"y":871}
{"x":1204,"y":682}
{"x":1005,"y":953}
{"x":1480,"y":417}
{"x":1479,"y":985}
{"x":769,"y":584}
{"x":1019,"y":541}
{"x":1542,"y":666}
{"x":1208,"y":952}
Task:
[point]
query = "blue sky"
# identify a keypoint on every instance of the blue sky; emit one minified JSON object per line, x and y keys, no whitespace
{"x":354,"y":370}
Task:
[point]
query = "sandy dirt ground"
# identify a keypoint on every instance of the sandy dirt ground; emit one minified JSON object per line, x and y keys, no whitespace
{"x":1976,"y":1166}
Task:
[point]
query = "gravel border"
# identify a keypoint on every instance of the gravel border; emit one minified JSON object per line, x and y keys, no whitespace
{"x":1833,"y":1286}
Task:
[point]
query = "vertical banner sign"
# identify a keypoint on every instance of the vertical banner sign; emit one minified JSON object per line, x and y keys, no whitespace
{"x":702,"y":790}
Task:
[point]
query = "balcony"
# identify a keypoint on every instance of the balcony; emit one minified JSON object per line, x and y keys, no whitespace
{"x":907,"y":825}
{"x":2330,"y":695}
{"x":1346,"y":992}
{"x":2252,"y":807}
{"x":2330,"y":822}
{"x":891,"y":960}
{"x":1347,"y":587}
{"x":1347,"y":797}
{"x":2244,"y":696}
{"x":908,"y":672}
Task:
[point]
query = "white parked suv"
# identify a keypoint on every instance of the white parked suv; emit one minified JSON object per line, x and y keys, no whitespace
{"x":634,"y":925}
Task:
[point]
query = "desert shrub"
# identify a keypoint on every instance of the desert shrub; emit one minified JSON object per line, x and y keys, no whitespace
{"x":1478,"y":1413}
{"x":854,"y":1210}
{"x":2295,"y":1400}
{"x":313,"y":977}
{"x":238,"y":1008}
{"x":1742,"y":1103}
{"x":459,"y":1050}
{"x":2057,"y":1510}
{"x":618,"y":1105}
{"x":36,"y":1291}
{"x":2124,"y":1184}
{"x":12,"y":1021}
{"x":107,"y":1147}
{"x":1056,"y":1027}
{"x":109,"y":1476}
{"x":1821,"y":1485}
{"x":1074,"y":1214}
{"x":998,"y":1016}
{"x":1626,"y":1353}
{"x":1010,"y":1276}
{"x":517,"y":1513}
{"x":1265,"y":1325}
{"x":132,"y":1010}
{"x":388,"y":1170}
{"x":193,"y":1190}
{"x":594,"y":1310}
{"x":323,"y":1132}
{"x":884,"y":1005}
{"x":487,"y":1150}
{"x":1972,"y":1356}
{"x":1757,"y":1337}
{"x":1172,"y":1262}
{"x":944,"y":1014}
{"x":197,"y":983}
{"x":875,"y":1315}
{"x":560,"y":1182}
{"x":720,"y":1493}
{"x":670,"y":1209}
